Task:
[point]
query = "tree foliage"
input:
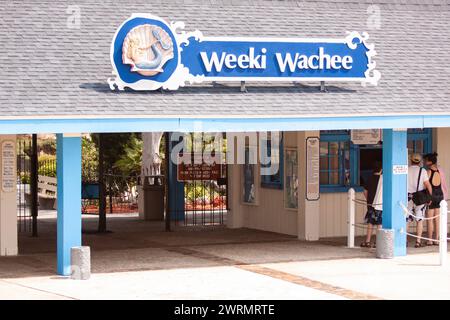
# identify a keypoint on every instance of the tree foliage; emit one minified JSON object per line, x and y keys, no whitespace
{"x":129,"y":162}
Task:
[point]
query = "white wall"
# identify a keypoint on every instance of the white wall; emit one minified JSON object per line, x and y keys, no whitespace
{"x":8,"y":209}
{"x":268,"y":213}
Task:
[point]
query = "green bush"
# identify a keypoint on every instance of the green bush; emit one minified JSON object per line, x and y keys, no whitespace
{"x":89,"y":160}
{"x":25,"y":178}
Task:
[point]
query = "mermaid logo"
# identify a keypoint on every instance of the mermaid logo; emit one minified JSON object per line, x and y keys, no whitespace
{"x":147,"y":48}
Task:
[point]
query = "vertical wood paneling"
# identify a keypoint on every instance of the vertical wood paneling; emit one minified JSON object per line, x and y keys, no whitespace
{"x":333,"y":214}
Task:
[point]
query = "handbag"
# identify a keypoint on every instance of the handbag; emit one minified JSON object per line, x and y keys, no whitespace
{"x":420,"y":197}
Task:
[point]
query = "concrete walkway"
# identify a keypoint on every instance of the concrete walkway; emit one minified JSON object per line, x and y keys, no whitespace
{"x":137,"y":260}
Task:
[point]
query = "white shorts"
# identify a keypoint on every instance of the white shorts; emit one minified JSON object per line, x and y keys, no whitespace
{"x":418,"y":211}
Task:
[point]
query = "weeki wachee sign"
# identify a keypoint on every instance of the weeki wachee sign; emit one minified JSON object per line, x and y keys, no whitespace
{"x":148,"y":53}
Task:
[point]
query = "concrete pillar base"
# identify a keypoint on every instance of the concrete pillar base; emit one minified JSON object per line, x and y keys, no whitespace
{"x":81,"y":263}
{"x":385,"y":244}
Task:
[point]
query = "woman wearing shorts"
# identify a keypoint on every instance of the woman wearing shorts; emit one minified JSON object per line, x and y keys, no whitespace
{"x":373,"y":193}
{"x":439,"y":193}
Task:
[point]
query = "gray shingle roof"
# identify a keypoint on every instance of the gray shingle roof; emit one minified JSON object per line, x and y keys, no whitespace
{"x":47,"y":69}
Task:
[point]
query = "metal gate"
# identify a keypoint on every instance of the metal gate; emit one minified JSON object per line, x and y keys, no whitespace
{"x":24,"y":218}
{"x":205,"y":200}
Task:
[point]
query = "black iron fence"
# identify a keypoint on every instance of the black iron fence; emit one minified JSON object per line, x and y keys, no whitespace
{"x":204,"y":184}
{"x":120,"y":192}
{"x":24,"y":223}
{"x":205,"y":202}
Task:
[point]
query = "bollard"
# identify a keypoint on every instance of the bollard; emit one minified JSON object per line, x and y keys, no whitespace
{"x":81,"y":263}
{"x":351,"y":219}
{"x":385,"y":244}
{"x":443,"y":233}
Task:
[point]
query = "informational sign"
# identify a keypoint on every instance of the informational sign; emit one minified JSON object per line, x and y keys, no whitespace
{"x":400,"y":169}
{"x":312,"y":168}
{"x":369,"y":136}
{"x":148,"y":53}
{"x":8,"y":166}
{"x":198,"y":170}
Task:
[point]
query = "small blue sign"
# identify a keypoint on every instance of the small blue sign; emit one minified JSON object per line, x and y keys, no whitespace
{"x":147,"y":54}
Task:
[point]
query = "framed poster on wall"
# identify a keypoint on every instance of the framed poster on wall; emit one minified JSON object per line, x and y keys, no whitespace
{"x":312,"y":168}
{"x":291,"y":179}
{"x":249,"y":189}
{"x":8,"y":166}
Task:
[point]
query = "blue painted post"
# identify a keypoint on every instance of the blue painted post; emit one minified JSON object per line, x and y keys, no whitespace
{"x":395,"y":158}
{"x":69,"y":199}
{"x":176,"y":190}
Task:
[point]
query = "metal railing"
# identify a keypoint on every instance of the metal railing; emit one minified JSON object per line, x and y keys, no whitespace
{"x":443,"y":224}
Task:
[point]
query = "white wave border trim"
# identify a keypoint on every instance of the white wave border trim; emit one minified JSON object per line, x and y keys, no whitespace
{"x":371,"y":75}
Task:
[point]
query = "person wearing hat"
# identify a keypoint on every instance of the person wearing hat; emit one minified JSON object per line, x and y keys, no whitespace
{"x":418,"y":181}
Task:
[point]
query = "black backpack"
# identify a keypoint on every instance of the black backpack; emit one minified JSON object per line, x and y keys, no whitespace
{"x":420,"y":197}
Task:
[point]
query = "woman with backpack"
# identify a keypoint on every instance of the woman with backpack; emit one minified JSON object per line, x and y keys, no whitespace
{"x":439,"y":192}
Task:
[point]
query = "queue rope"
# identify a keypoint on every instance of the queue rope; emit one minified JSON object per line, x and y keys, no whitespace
{"x":408,"y":213}
{"x":363,"y":226}
{"x":363,"y":202}
{"x":360,"y":225}
{"x":424,"y":238}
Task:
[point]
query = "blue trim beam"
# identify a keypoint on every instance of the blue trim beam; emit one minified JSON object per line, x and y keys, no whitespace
{"x":131,"y":124}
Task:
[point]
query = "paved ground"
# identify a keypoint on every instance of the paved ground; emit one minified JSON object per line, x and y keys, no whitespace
{"x":137,"y":260}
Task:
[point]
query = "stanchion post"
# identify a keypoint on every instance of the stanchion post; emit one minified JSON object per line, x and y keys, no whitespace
{"x":443,"y":233}
{"x":351,"y":218}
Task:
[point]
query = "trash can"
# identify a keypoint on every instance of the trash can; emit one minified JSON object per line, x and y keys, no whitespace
{"x":153,"y":196}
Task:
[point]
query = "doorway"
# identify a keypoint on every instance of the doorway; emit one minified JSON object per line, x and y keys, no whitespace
{"x":368,"y":156}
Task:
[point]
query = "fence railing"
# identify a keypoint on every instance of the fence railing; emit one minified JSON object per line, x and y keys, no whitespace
{"x":443,"y":224}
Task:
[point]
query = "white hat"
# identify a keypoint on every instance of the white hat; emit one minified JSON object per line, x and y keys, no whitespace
{"x":415,"y":157}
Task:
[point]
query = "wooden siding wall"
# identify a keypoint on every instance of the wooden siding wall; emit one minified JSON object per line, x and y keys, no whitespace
{"x":333,"y":214}
{"x":269,"y":213}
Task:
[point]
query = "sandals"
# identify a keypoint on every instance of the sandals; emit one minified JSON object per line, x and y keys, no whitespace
{"x":418,"y":244}
{"x":368,"y":245}
{"x":430,"y":243}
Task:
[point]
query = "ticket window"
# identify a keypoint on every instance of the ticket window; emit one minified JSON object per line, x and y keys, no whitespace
{"x":368,"y":155}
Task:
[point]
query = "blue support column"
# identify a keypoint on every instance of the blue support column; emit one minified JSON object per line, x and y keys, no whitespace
{"x":176,"y":190}
{"x":69,"y":199}
{"x":395,"y":155}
